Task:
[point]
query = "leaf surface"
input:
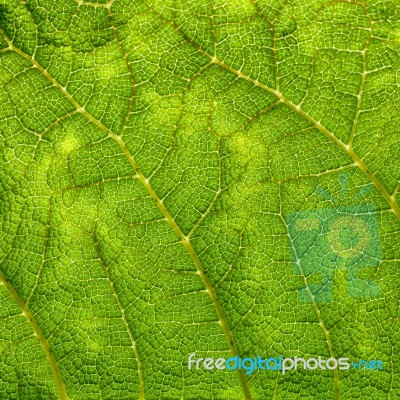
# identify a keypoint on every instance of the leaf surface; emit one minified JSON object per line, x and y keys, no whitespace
{"x":165,"y":168}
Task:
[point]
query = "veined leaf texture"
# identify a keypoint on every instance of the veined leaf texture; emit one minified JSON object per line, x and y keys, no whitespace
{"x":215,"y":178}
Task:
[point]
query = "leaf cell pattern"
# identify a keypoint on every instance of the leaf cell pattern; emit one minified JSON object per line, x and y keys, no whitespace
{"x":152,"y":153}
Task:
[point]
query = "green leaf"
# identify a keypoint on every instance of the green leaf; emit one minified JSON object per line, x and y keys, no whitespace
{"x":213,"y":177}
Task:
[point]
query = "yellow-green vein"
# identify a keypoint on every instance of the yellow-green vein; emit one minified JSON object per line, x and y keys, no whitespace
{"x":26,"y":312}
{"x":146,"y":183}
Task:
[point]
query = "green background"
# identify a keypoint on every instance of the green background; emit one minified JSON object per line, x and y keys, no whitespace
{"x":150,"y":151}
